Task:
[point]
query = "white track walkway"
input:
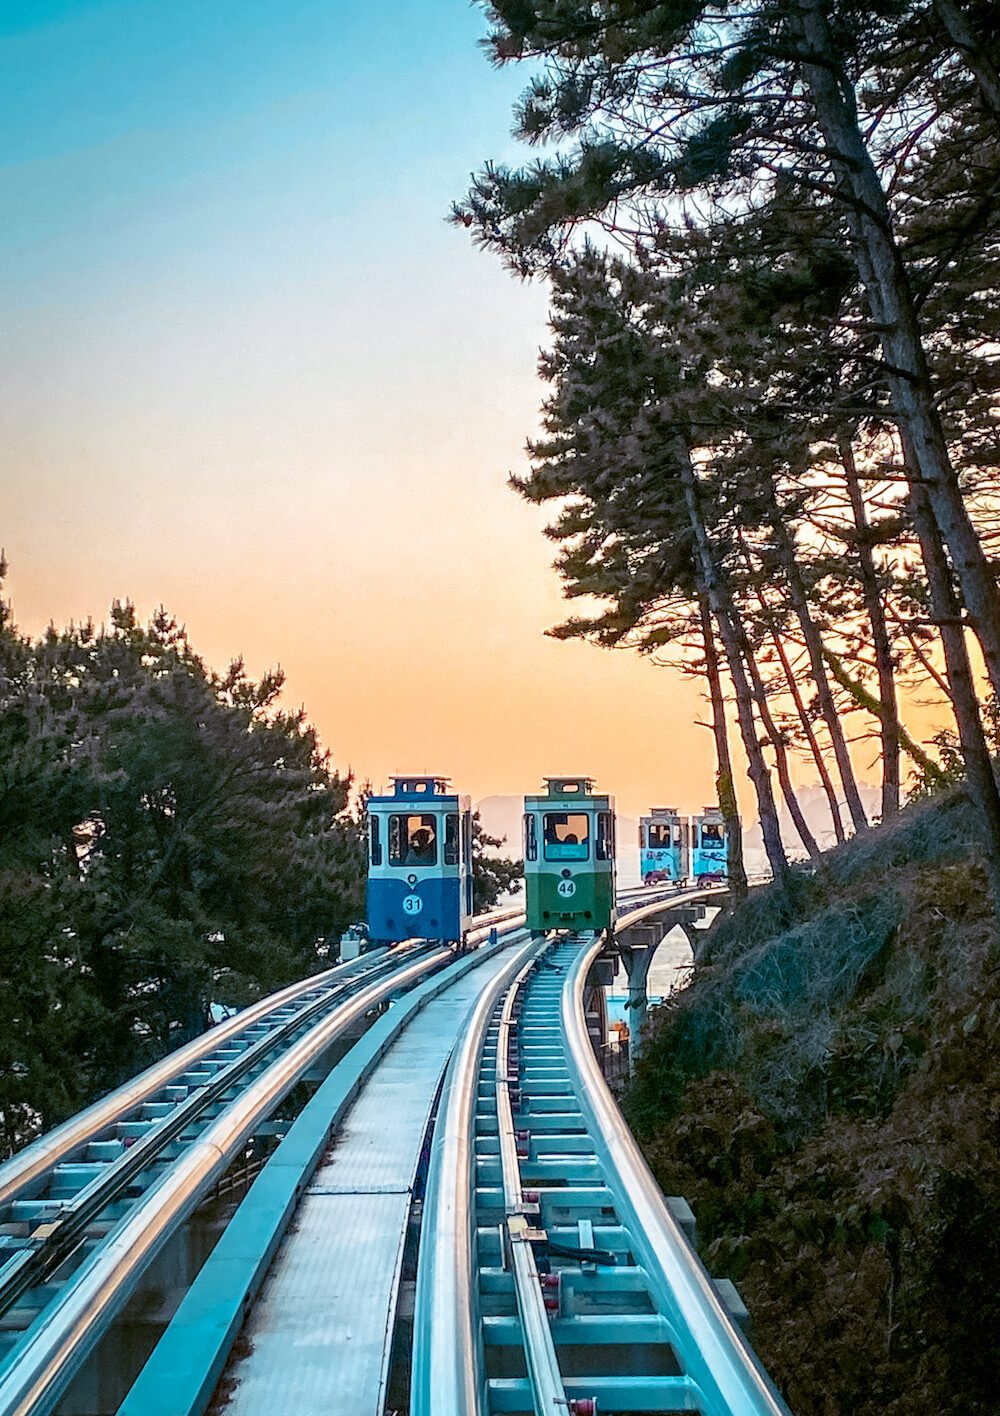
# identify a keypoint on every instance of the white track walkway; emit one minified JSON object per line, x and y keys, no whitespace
{"x":318,"y":1340}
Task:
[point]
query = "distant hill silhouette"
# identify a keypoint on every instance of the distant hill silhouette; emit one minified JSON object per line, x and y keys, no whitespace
{"x":817,"y":813}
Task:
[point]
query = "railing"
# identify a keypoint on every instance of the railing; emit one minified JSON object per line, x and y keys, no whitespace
{"x":714,"y":1352}
{"x":538,"y":1198}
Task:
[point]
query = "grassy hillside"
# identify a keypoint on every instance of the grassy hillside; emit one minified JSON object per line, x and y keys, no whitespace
{"x":827,"y":1095}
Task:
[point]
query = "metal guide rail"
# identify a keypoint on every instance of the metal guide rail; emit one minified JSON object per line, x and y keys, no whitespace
{"x":44,"y":1229}
{"x":140,"y":1100}
{"x":85,"y":1211}
{"x":580,"y":1293}
{"x":315,"y":1323}
{"x":76,"y":1251}
{"x":638,"y":902}
{"x":24,"y":1175}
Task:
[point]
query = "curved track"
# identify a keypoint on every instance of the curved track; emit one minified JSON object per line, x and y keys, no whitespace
{"x":86,"y":1210}
{"x":551,"y":1276}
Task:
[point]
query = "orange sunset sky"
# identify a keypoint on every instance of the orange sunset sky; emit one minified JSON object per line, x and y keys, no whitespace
{"x":251,"y":373}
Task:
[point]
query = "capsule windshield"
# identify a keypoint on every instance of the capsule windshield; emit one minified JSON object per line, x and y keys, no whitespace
{"x":412,"y":840}
{"x":566,"y":835}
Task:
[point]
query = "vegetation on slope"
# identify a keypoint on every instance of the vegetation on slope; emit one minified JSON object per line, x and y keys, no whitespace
{"x":826,"y":1094}
{"x":768,"y":438}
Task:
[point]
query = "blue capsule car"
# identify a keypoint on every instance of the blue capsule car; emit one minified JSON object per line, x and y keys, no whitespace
{"x":663,"y":847}
{"x":419,"y":862}
{"x":709,"y":847}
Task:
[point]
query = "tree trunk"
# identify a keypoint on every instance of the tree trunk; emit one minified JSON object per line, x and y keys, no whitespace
{"x":793,"y":688}
{"x":944,"y":601}
{"x":722,"y":612}
{"x":884,"y":276}
{"x":777,"y":742}
{"x":814,"y":648}
{"x":725,"y":786}
{"x":973,"y":53}
{"x":872,"y":705}
{"x":818,"y":756}
{"x":889,"y":716}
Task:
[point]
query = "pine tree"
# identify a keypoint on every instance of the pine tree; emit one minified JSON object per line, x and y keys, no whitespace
{"x":677,"y":125}
{"x":169,"y":838}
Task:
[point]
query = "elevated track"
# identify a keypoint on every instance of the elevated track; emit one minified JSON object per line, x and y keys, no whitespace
{"x":542,"y":1271}
{"x":556,"y":1278}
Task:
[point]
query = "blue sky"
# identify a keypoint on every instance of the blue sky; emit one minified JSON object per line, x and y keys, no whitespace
{"x":249,"y":371}
{"x":143,"y":120}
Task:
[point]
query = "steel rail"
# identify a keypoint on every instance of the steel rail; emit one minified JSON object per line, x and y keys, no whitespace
{"x":492,"y":917}
{"x":507,"y":1075}
{"x":63,"y":1233}
{"x":182,"y":1373}
{"x":35,"y":1161}
{"x":39,"y":1369}
{"x":447,"y":1367}
{"x":715,"y":1353}
{"x":37,"y":1372}
{"x":61,"y":1338}
{"x":24,"y":1172}
{"x":547,"y":1391}
{"x":446,"y":1372}
{"x":633,"y":908}
{"x":629,"y":892}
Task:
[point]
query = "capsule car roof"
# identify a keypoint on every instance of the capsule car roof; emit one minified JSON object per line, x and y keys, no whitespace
{"x":419,"y":785}
{"x":566,"y":791}
{"x":417,"y":788}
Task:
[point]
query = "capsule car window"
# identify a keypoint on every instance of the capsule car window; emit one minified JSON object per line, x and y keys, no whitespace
{"x":659,"y":837}
{"x":451,"y":838}
{"x":566,"y":835}
{"x":412,"y":840}
{"x":530,"y":838}
{"x":605,"y":835}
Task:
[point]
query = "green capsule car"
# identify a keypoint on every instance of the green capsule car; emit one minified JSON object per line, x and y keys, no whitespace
{"x":569,"y":856}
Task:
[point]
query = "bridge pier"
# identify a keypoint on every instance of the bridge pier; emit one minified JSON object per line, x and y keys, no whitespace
{"x":637,"y":943}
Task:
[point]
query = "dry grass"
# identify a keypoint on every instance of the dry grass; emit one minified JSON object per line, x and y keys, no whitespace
{"x":827,"y":1095}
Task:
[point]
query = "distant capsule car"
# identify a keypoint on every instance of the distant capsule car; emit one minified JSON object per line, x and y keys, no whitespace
{"x":674,"y":849}
{"x":419,"y":862}
{"x":663,"y":847}
{"x":709,"y":847}
{"x":569,"y":857}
